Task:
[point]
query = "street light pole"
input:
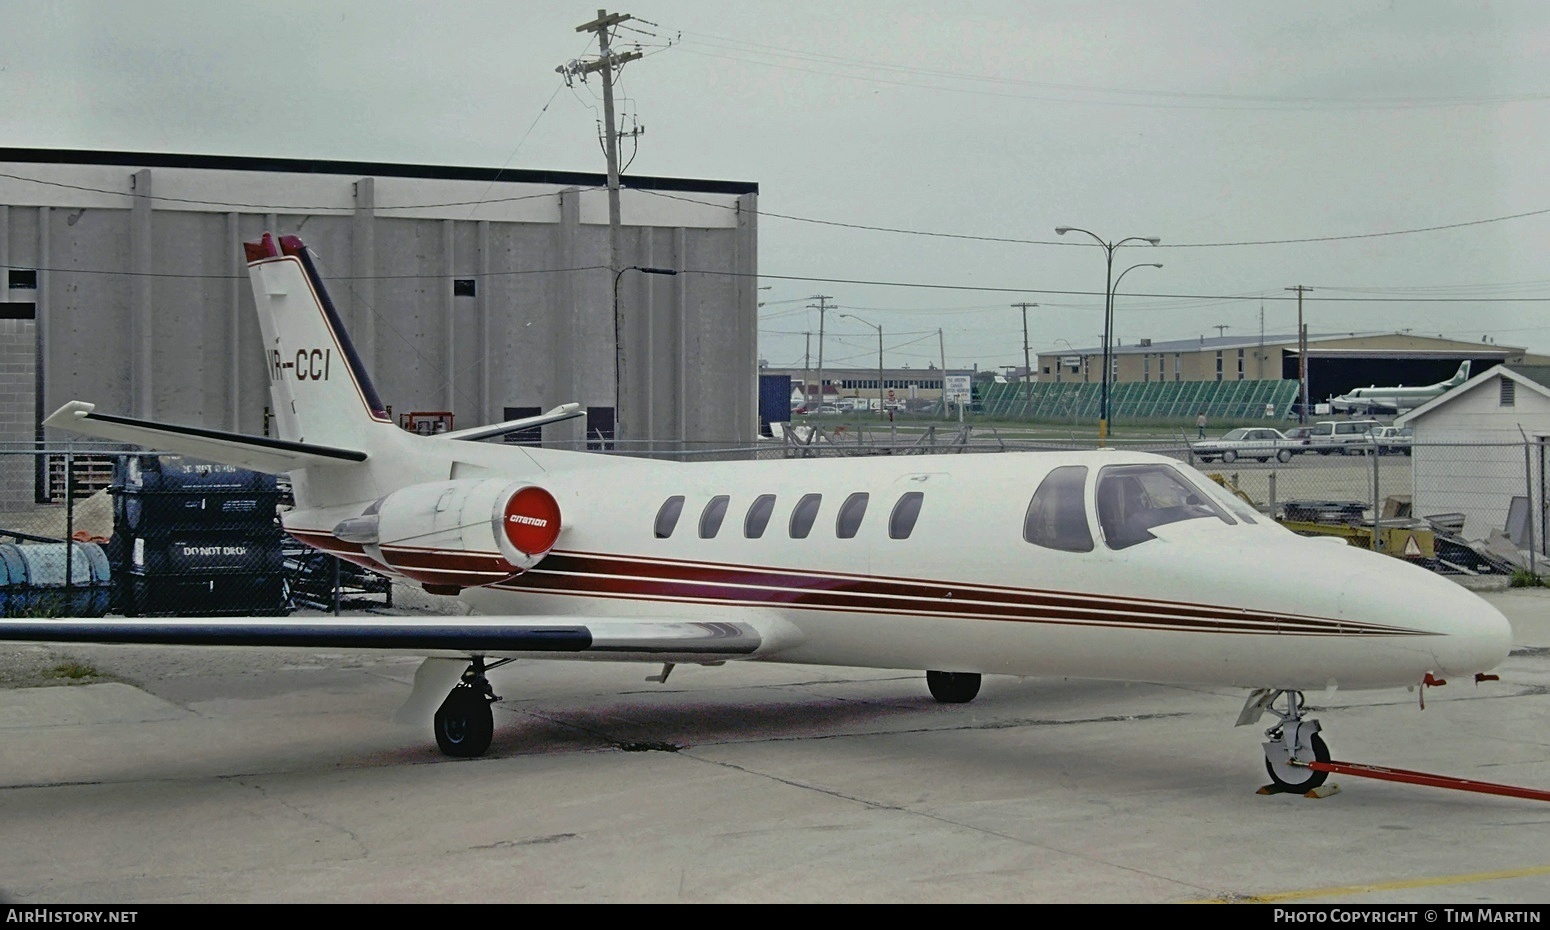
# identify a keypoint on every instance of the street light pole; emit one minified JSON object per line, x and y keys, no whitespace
{"x":881,"y":410}
{"x":619,"y":342}
{"x":1114,"y":291}
{"x":1108,"y":311}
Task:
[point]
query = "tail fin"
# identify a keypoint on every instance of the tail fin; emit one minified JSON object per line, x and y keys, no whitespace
{"x":316,"y":377}
{"x":1462,"y":374}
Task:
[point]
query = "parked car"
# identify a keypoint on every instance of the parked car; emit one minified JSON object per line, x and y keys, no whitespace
{"x":1392,"y":440}
{"x":1297,"y":438}
{"x":1261,"y":443}
{"x":1345,"y":436}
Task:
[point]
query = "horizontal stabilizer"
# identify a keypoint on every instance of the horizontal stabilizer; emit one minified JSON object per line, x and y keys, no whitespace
{"x":254,"y":452}
{"x":675,"y":640}
{"x":562,"y":412}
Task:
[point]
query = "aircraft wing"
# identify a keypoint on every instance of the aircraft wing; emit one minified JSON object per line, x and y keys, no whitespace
{"x":562,"y":412}
{"x":258,"y":453}
{"x":658,"y":640}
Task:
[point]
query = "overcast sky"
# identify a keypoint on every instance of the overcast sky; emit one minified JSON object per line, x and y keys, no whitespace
{"x":914,"y":158}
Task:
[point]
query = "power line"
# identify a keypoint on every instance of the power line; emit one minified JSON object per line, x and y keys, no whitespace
{"x":1010,"y":240}
{"x":985,"y":85}
{"x":1061,"y":242}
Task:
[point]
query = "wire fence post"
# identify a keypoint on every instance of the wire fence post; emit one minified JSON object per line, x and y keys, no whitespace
{"x":69,"y":517}
{"x":1543,"y":512}
{"x":1528,"y":489}
{"x":1377,"y":511}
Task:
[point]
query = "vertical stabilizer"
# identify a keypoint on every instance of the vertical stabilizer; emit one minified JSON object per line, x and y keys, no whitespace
{"x":319,"y":385}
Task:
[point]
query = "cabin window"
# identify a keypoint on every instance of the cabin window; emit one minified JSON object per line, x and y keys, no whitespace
{"x":712,"y":515}
{"x":848,"y":522}
{"x":1134,"y":499}
{"x":667,"y":516}
{"x":758,"y":516}
{"x":901,"y":523}
{"x":803,"y":515}
{"x":1057,"y":515}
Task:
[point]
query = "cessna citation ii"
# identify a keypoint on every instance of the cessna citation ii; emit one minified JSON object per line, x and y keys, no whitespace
{"x":1396,"y":399}
{"x":1102,"y":564}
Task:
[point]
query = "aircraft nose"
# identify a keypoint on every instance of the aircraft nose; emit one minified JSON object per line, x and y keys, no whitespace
{"x":1476,"y":637}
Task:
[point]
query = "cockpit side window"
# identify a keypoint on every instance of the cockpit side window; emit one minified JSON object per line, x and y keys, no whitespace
{"x":1133,"y":499}
{"x":1057,"y":515}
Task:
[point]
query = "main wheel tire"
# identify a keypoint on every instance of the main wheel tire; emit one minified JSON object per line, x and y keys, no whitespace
{"x":1285,"y":455}
{"x":465,"y":724}
{"x":953,"y":687}
{"x":1297,"y":777}
{"x":1229,"y":457}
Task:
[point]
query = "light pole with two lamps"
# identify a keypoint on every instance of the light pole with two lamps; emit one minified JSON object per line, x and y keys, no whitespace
{"x":619,"y":342}
{"x":1108,"y":311}
{"x":882,"y":409}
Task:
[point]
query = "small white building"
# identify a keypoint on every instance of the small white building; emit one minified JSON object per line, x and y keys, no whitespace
{"x":1480,"y":447}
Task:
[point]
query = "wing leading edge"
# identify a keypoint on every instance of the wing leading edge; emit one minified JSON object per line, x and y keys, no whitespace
{"x":254,"y":452}
{"x":563,"y":636}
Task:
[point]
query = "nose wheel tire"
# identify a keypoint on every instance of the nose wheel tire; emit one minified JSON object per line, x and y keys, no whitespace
{"x":1300,"y":778}
{"x":953,"y":687}
{"x":464,"y":723}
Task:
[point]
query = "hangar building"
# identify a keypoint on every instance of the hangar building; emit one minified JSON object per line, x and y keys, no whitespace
{"x":480,"y":292}
{"x":1337,"y":362}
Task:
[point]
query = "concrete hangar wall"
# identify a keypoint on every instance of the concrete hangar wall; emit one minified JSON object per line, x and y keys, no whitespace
{"x":468,"y":290}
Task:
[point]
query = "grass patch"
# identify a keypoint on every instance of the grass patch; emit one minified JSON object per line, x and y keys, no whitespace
{"x":71,"y":671}
{"x":1523,"y":578}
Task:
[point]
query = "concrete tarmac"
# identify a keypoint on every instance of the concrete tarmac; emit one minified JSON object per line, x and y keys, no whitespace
{"x":230,"y":776}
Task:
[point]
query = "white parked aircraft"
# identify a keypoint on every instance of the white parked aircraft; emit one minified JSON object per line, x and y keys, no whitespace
{"x":1398,"y":399}
{"x":1104,"y":564}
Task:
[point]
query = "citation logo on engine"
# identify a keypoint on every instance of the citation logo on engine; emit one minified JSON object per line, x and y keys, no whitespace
{"x":531,"y":523}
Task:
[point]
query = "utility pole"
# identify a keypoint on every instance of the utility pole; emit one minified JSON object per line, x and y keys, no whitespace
{"x":608,"y":63}
{"x":1302,"y":354}
{"x":941,"y":342}
{"x":1221,"y":330}
{"x":807,"y":377}
{"x":1027,"y":368}
{"x":822,"y":308}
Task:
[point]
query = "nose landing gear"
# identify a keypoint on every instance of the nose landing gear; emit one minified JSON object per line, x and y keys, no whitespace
{"x":1292,"y":743}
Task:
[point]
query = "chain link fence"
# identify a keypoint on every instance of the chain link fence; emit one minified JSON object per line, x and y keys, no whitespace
{"x":86,"y":531}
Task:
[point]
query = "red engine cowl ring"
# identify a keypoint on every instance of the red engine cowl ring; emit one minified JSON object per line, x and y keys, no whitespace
{"x":527,"y":522}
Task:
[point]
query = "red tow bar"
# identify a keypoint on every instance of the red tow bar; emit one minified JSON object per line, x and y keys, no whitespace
{"x":1421,"y":778}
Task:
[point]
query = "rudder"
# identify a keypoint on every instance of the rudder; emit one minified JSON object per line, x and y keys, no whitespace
{"x":319,"y":385}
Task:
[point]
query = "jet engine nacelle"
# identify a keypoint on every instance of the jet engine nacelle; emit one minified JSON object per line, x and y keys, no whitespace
{"x":463,"y":533}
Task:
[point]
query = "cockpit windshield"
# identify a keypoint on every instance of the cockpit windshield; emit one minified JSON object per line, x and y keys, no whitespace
{"x":1133,"y":499}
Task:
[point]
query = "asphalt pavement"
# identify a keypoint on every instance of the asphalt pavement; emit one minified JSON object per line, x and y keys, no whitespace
{"x":232,"y":776}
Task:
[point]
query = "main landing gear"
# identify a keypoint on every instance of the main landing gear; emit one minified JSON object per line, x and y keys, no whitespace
{"x":464,"y":723}
{"x":1292,"y":743}
{"x":953,"y":687}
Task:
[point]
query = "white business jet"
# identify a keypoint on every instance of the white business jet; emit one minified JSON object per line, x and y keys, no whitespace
{"x":1103,"y":564}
